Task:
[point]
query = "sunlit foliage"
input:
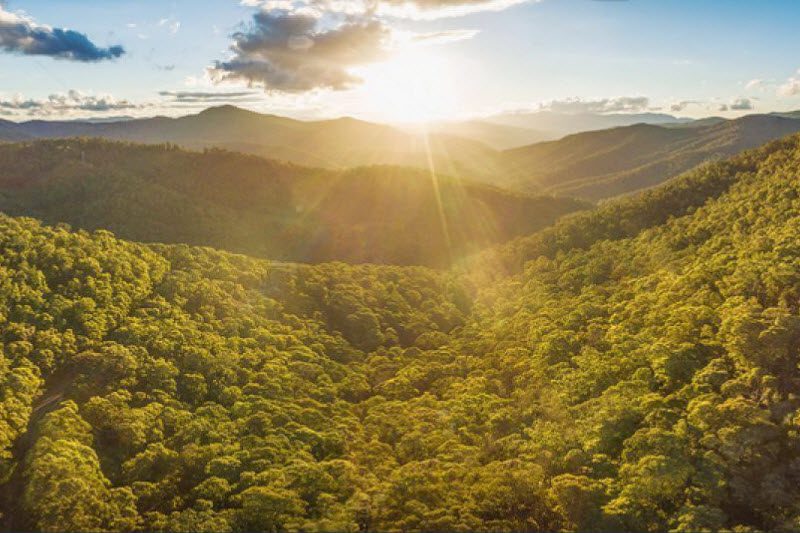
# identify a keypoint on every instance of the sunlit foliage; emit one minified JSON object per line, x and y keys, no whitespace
{"x":641,"y":375}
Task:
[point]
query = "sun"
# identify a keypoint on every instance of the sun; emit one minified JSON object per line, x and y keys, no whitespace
{"x":413,"y":86}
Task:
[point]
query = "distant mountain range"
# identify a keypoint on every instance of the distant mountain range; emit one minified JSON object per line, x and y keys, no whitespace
{"x":555,"y":125}
{"x":592,"y":165}
{"x":497,"y":136}
{"x":338,"y":143}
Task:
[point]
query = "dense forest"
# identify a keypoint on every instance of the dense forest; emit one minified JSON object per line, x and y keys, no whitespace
{"x":265,"y":208}
{"x":635,"y":369}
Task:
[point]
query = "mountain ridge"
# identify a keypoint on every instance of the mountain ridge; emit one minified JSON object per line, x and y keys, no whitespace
{"x":607,"y":163}
{"x":593,"y":165}
{"x":246,"y":204}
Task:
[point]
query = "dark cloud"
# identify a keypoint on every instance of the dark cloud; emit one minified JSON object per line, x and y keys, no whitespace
{"x":683,"y":104}
{"x":210,"y":97}
{"x":290,"y":52}
{"x":742,"y":104}
{"x":19,"y":34}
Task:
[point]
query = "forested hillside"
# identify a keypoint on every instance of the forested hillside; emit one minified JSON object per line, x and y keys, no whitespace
{"x":265,"y":208}
{"x":638,"y":375}
{"x":603,"y":164}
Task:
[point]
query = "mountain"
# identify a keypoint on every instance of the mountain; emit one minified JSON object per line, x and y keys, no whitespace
{"x":10,"y":131}
{"x":558,"y":124}
{"x":602,"y":164}
{"x":265,"y":208}
{"x":640,"y":373}
{"x":338,"y":143}
{"x":592,"y":165}
{"x":698,"y":123}
{"x":786,"y":114}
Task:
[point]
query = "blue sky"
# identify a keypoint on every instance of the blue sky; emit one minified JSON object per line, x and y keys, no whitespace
{"x":407,"y":59}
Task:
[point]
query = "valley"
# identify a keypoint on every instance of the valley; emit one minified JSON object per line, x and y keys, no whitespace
{"x":637,"y":374}
{"x":399,"y":266}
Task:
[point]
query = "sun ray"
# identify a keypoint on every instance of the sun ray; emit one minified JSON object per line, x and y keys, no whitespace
{"x":437,"y":194}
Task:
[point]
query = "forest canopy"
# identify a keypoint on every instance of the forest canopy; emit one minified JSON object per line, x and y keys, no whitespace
{"x":637,"y":373}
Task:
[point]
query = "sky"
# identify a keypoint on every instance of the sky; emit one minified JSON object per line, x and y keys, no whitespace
{"x":397,"y":60}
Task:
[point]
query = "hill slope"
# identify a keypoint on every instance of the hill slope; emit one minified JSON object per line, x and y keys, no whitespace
{"x":339,"y":143}
{"x":264,"y":208}
{"x":602,"y":164}
{"x":592,"y":165}
{"x":641,"y":379}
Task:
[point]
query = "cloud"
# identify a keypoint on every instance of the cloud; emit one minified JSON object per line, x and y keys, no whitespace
{"x":22,"y":35}
{"x":623,"y":104}
{"x":410,"y":9}
{"x":435,"y":9}
{"x":741,"y":104}
{"x":64,"y":104}
{"x":296,"y":46}
{"x":442,"y":37}
{"x":202,"y":97}
{"x":174,"y":26}
{"x":755,"y":84}
{"x":791,"y":87}
{"x":683,"y":104}
{"x":291,"y":52}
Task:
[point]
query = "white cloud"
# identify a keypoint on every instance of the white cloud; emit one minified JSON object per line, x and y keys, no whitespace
{"x":173,"y":25}
{"x":755,"y":84}
{"x":439,"y":37}
{"x":65,"y":104}
{"x":410,"y":9}
{"x":791,"y":87}
{"x":436,"y":9}
{"x":622,"y":104}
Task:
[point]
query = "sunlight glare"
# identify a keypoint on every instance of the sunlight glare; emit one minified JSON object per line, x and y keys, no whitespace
{"x":413,"y":86}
